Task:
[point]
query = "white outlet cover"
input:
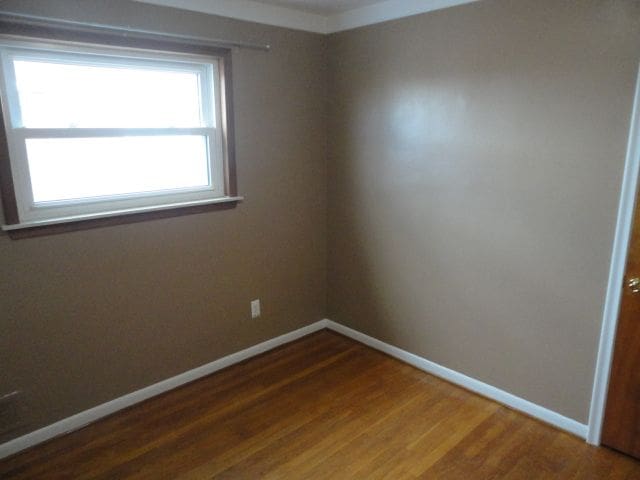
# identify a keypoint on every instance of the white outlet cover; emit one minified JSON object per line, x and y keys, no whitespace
{"x":255,"y":308}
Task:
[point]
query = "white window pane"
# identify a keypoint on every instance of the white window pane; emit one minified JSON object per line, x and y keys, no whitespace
{"x":76,"y":168}
{"x":59,"y":95}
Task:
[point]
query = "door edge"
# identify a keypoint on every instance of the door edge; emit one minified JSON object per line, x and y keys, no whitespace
{"x":616,"y":273}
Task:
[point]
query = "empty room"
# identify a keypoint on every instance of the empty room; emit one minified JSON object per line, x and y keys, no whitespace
{"x":319,"y":239}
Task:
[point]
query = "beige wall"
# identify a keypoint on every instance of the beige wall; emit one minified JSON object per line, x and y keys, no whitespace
{"x":475,"y":163}
{"x":91,"y":315}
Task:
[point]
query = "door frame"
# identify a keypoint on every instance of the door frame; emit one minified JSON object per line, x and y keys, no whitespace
{"x":616,"y":274}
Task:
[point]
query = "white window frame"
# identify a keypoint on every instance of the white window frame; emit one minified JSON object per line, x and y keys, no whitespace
{"x":30,"y":213}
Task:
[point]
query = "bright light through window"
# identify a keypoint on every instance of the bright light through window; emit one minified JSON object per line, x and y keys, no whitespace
{"x":96,"y":130}
{"x":75,"y":168}
{"x":57,"y":95}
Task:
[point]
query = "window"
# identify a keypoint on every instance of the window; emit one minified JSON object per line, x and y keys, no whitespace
{"x":98,"y":131}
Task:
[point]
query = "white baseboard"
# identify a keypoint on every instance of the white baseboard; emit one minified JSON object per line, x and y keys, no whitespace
{"x":88,"y":416}
{"x":500,"y":396}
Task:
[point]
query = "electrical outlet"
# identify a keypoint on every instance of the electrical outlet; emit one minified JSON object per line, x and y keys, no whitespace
{"x":255,"y":308}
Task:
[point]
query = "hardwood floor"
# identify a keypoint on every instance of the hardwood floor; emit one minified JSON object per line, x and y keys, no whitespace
{"x":323,"y":407}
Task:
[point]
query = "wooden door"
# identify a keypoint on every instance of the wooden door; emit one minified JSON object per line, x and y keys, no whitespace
{"x":621,"y":428}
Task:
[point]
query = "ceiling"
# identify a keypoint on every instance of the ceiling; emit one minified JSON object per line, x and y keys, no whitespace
{"x":319,"y":16}
{"x":321,"y":7}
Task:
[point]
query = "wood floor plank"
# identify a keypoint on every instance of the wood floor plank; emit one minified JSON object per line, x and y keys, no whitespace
{"x":322,"y":407}
{"x":135,"y":427}
{"x":339,"y":402}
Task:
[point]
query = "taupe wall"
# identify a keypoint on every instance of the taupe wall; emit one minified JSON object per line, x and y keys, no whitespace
{"x":91,"y":315}
{"x":475,"y":163}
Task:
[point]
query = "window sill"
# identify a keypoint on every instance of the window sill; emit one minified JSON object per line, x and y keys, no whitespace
{"x":98,"y":219}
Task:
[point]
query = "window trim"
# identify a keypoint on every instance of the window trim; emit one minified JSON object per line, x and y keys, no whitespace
{"x":132,"y":43}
